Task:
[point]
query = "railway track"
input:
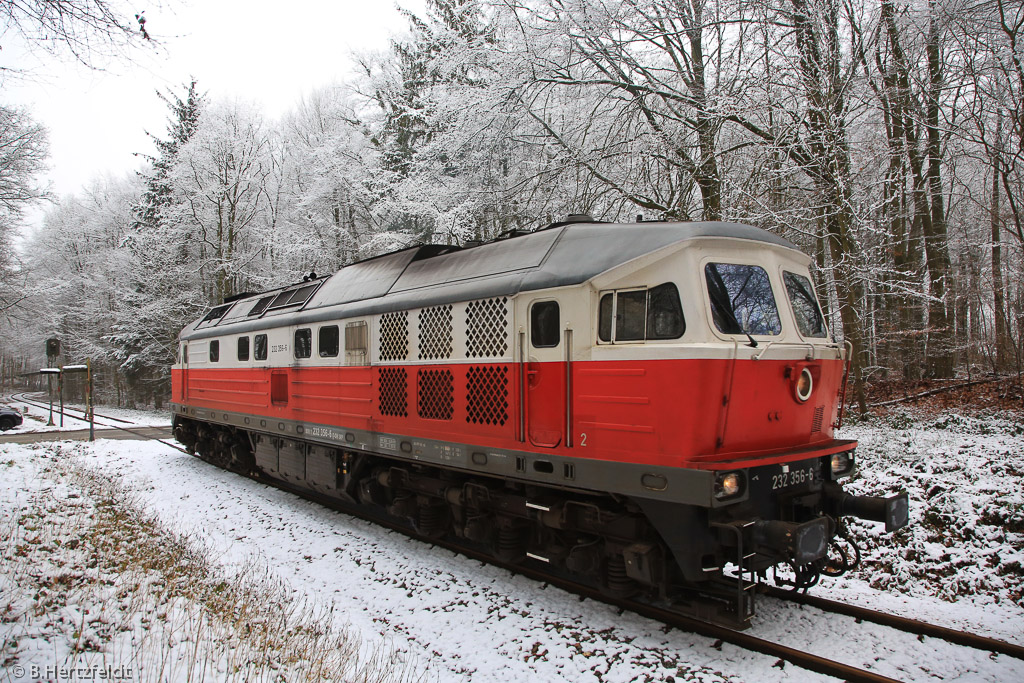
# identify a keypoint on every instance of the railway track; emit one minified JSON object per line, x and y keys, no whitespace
{"x":101,"y":420}
{"x":720,"y":634}
{"x":918,"y":628}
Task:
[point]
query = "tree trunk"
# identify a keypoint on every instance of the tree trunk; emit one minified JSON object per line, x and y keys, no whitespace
{"x":1003,"y":345}
{"x":828,"y":164}
{"x":941,"y":350}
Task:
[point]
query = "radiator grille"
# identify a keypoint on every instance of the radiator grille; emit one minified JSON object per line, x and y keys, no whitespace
{"x":487,"y":395}
{"x":436,"y":394}
{"x":393,"y":388}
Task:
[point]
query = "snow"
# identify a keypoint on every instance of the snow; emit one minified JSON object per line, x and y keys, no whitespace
{"x":450,"y":618}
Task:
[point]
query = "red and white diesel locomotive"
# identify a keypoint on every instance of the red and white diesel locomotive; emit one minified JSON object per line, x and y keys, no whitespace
{"x":648,"y":408}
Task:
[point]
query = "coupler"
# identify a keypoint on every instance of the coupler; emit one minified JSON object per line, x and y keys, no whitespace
{"x":893,"y":510}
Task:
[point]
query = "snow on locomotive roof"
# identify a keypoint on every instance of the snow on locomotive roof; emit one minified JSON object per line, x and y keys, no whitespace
{"x":562,"y":255}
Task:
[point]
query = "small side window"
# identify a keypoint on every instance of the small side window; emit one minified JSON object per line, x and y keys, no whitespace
{"x":356,"y":343}
{"x":303,"y":343}
{"x":215,"y":351}
{"x":544,"y":324}
{"x":327,"y":341}
{"x":259,"y":347}
{"x":243,"y":348}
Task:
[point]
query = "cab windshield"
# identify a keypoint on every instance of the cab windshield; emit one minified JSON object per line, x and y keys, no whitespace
{"x":742,"y":301}
{"x":805,"y":305}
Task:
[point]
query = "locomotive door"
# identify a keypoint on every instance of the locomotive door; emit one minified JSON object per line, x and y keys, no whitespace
{"x":545,"y":375}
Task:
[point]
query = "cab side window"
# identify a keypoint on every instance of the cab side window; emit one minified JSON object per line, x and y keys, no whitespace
{"x":215,"y":351}
{"x":641,"y":314}
{"x":243,"y":348}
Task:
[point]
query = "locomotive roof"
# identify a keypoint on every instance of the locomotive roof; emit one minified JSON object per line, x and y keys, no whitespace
{"x":564,"y":254}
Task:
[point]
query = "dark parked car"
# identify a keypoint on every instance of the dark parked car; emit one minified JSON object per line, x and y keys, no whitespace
{"x":9,"y":419}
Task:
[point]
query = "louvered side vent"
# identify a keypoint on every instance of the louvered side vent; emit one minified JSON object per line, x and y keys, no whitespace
{"x":394,"y":336}
{"x":436,"y":333}
{"x":394,"y":390}
{"x":486,"y":328}
{"x":819,"y":415}
{"x":487,"y":395}
{"x":436,"y":394}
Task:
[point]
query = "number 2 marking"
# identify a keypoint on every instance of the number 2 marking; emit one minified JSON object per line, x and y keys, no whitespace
{"x":583,"y":439}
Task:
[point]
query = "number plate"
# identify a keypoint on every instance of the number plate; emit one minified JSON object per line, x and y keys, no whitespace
{"x":793,"y":476}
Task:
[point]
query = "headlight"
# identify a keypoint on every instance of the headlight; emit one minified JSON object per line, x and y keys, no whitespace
{"x":842,"y":464}
{"x":804,"y":385}
{"x":728,"y":485}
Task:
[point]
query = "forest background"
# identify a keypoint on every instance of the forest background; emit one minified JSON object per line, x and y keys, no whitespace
{"x":884,"y":137}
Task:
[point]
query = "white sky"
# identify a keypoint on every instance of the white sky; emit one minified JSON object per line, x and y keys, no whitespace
{"x":266,"y":52}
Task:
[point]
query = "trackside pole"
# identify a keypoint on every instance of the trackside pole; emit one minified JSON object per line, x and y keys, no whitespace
{"x":88,"y":400}
{"x":49,"y":392}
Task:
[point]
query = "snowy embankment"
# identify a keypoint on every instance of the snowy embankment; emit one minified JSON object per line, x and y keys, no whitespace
{"x":411,"y":606}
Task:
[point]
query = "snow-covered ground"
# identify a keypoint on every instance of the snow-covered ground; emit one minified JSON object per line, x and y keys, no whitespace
{"x":455,"y":619}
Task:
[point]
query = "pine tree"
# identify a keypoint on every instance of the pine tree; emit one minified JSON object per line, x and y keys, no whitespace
{"x":182,"y":124}
{"x":152,"y":312}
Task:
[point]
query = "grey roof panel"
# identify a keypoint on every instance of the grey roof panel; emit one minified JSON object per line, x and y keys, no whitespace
{"x":364,"y":280}
{"x":487,"y":260}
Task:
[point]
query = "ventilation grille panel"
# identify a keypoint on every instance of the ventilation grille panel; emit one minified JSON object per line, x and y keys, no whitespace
{"x":436,"y":333}
{"x":436,"y":394}
{"x":394,"y":336}
{"x":487,"y":395}
{"x":394,"y":390}
{"x":819,"y":415}
{"x":486,"y":328}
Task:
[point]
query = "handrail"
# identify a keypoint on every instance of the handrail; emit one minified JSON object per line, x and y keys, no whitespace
{"x":727,"y":398}
{"x":846,"y":378}
{"x":810,"y":356}
{"x":568,"y":388}
{"x":522,"y":387}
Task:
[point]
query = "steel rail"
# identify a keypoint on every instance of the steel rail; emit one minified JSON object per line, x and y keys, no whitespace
{"x":84,"y":416}
{"x":914,"y":626}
